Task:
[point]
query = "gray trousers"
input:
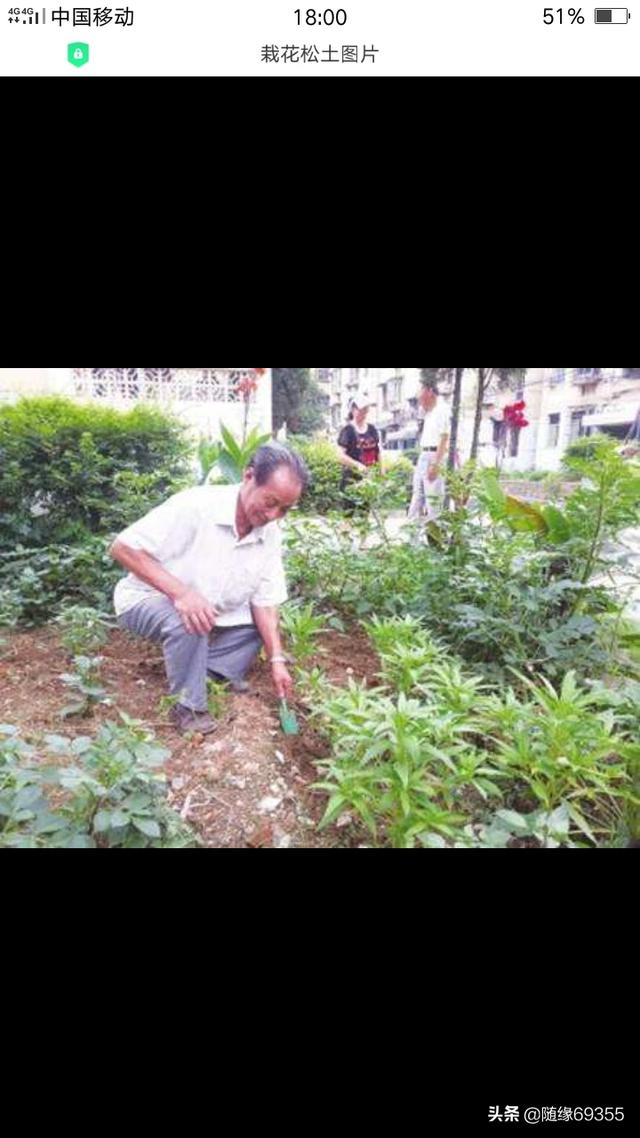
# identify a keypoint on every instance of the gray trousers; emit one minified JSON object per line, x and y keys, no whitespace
{"x":189,"y":657}
{"x":428,"y":497}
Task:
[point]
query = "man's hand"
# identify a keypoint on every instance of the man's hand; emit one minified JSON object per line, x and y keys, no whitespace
{"x":196,"y":613}
{"x":282,"y":681}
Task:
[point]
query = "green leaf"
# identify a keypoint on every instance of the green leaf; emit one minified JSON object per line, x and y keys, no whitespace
{"x":28,"y":797}
{"x":230,"y":468}
{"x":496,"y":838}
{"x":82,"y":744}
{"x":49,"y":823}
{"x":581,"y":822}
{"x":57,"y":744}
{"x":102,"y":821}
{"x":335,"y":807}
{"x":558,"y":528}
{"x":432,"y":841}
{"x":137,"y":803}
{"x":119,"y":818}
{"x":81,"y":842}
{"x":523,"y":517}
{"x":517,"y":823}
{"x":147,"y":826}
{"x":231,"y":444}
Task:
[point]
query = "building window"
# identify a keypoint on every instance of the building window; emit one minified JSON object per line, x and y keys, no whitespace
{"x":576,"y":429}
{"x":554,"y":431}
{"x":558,"y":375}
{"x":395,"y":392}
{"x":499,"y":432}
{"x":588,"y":377}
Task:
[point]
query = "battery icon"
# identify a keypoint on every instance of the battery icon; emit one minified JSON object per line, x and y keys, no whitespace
{"x":611,"y":15}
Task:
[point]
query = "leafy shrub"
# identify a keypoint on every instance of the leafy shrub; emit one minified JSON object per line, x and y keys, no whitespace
{"x":324,"y":494}
{"x":35,"y":583}
{"x":432,"y":758}
{"x":114,"y":795}
{"x":69,"y":469}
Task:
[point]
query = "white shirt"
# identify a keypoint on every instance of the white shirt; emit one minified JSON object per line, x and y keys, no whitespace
{"x":486,"y":431}
{"x":436,"y":425}
{"x":193,"y":535}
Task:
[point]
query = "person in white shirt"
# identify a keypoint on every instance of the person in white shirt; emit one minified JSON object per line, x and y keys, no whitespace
{"x":428,"y":480}
{"x":206,"y":578}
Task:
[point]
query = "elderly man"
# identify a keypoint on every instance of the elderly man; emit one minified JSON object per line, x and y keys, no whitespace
{"x":428,"y":482}
{"x":206,"y":578}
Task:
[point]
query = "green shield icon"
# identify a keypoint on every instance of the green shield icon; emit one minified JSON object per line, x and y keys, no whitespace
{"x":78,"y":54}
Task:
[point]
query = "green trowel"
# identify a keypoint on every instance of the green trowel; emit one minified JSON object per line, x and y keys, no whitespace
{"x":288,"y":719}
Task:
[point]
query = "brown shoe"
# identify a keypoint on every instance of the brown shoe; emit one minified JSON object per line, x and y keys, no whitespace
{"x":187,"y":720}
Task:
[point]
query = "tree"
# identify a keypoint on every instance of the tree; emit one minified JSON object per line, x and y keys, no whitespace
{"x":297,"y":400}
{"x":455,"y":416}
{"x":313,"y":415}
{"x":509,"y":377}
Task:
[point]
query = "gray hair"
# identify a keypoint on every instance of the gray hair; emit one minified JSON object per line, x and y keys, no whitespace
{"x":269,"y":458}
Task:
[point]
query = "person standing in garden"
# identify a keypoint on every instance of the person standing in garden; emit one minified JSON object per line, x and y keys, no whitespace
{"x":206,"y":579}
{"x":428,"y":481}
{"x":358,"y":447}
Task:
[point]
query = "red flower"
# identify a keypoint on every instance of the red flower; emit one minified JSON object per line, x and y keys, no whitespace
{"x":248,"y":385}
{"x":513,"y":415}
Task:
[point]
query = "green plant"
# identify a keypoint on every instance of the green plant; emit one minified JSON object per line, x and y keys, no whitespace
{"x":208,"y":455}
{"x":84,"y":682}
{"x":375,"y":495}
{"x":607,"y":500}
{"x":10,"y":608}
{"x":84,"y":629}
{"x":327,"y":562}
{"x":69,"y":470}
{"x":232,"y":457}
{"x":36,"y":582}
{"x":166,"y":702}
{"x":113,"y":793}
{"x":407,"y":667}
{"x":217,"y":698}
{"x":391,"y":761}
{"x":302,"y":627}
{"x":426,"y":759}
{"x":324,"y":495}
{"x":20,"y":787}
{"x":565,"y":753}
{"x":549,"y":829}
{"x":313,"y":686}
{"x":118,"y":793}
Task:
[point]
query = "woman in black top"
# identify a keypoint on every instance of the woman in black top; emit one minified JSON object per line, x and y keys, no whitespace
{"x":358,"y":446}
